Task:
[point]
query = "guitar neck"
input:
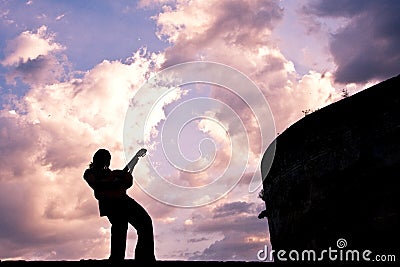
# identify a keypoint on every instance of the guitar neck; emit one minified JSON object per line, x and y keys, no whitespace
{"x":131,"y":164}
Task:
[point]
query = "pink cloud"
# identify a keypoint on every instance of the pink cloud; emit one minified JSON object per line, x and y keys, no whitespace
{"x":33,"y":56}
{"x":239,"y":35}
{"x":30,"y":45}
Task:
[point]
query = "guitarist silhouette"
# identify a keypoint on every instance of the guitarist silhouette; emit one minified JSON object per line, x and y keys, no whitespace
{"x":110,"y":190}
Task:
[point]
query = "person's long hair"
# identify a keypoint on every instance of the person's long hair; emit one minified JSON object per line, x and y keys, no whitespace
{"x":101,"y":159}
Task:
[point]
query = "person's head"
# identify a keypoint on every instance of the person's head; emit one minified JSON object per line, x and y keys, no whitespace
{"x":101,"y":159}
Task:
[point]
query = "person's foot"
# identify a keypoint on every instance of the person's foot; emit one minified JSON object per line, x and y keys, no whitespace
{"x":146,"y":260}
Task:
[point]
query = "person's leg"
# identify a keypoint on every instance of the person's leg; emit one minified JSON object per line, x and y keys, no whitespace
{"x":119,"y":228}
{"x":140,"y":219}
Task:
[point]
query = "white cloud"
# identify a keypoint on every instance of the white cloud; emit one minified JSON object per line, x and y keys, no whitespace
{"x":29,"y":46}
{"x":238,"y":34}
{"x":35,"y":57}
{"x":153,"y":3}
{"x":59,"y":17}
{"x":157,"y":113}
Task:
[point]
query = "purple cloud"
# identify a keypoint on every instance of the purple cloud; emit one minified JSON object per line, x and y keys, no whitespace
{"x":367,"y":47}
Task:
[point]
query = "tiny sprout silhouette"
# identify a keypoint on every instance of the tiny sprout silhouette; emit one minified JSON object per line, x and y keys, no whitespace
{"x":110,"y":190}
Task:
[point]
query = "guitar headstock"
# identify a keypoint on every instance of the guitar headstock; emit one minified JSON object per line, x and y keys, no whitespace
{"x":141,"y":152}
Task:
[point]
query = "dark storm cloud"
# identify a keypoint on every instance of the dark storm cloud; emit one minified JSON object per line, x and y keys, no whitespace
{"x":368,"y":47}
{"x":230,"y":248}
{"x":233,"y":208}
{"x":243,"y":233}
{"x":17,"y":145}
{"x":41,"y":70}
{"x":232,"y":216}
{"x":18,"y":222}
{"x":13,"y":207}
{"x":195,"y":240}
{"x":244,"y":224}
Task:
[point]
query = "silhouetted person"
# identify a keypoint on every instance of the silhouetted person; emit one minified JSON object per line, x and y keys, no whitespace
{"x":110,"y":190}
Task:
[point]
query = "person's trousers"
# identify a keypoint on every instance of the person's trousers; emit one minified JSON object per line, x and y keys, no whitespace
{"x":131,"y":212}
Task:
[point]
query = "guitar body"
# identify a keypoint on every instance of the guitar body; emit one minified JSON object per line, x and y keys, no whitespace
{"x":123,"y":177}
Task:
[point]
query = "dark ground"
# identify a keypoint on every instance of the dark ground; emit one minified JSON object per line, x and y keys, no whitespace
{"x":100,"y":263}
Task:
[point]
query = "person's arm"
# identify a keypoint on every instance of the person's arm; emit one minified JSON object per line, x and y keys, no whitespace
{"x":131,"y":165}
{"x":90,"y":179}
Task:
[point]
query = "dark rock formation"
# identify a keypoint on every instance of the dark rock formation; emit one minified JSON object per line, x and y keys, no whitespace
{"x":336,"y":175}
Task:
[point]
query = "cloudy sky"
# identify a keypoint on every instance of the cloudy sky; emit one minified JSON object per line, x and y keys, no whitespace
{"x":70,"y":71}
